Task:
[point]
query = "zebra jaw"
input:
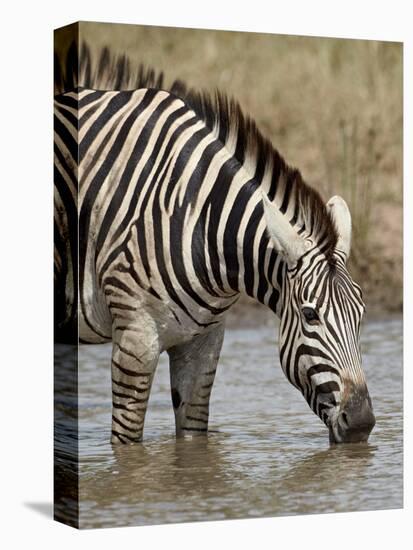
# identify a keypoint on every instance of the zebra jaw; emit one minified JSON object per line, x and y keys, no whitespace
{"x":332,"y":424}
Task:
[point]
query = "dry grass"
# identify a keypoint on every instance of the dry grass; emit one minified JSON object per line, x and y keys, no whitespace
{"x":332,"y":107}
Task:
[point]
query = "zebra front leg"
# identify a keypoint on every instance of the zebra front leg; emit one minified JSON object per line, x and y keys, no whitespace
{"x":192,"y":370}
{"x":134,"y":359}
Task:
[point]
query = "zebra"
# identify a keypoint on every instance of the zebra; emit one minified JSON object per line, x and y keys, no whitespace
{"x":183,"y":206}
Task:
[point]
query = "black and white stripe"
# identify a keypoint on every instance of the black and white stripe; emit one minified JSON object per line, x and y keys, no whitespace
{"x":183,"y":206}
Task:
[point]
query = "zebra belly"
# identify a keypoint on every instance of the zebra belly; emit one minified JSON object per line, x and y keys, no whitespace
{"x":169,"y":323}
{"x":151,"y":316}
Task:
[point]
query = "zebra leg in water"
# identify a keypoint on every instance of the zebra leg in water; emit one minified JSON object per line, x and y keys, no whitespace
{"x":192,"y":370}
{"x":135,"y":355}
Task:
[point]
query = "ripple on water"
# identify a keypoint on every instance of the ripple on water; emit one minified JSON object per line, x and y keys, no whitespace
{"x":269,"y":454}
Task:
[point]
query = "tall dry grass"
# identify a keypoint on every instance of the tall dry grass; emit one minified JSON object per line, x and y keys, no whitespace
{"x":332,"y":107}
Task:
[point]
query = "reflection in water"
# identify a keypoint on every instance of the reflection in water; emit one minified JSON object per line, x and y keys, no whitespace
{"x":185,"y":473}
{"x":332,"y":472}
{"x":270,"y":455}
{"x":343,"y":461}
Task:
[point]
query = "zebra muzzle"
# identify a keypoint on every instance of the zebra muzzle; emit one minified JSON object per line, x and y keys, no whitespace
{"x":355,"y":421}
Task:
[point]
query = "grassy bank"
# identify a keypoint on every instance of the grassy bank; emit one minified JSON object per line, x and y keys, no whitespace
{"x":333,"y":108}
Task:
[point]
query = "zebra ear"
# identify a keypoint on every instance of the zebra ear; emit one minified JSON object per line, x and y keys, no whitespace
{"x":341,"y":216}
{"x":283,"y":235}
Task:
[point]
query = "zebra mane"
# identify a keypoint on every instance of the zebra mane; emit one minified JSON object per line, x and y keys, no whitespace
{"x":109,"y":73}
{"x":223,"y":116}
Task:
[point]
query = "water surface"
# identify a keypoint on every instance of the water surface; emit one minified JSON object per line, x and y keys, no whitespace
{"x":268,"y":454}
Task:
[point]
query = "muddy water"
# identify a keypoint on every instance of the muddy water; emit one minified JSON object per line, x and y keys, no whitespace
{"x":267,"y":455}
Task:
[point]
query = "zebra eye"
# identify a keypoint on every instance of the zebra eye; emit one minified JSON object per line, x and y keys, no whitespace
{"x":311,"y":315}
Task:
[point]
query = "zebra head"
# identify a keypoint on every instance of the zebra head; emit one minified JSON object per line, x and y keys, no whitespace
{"x":320,"y":316}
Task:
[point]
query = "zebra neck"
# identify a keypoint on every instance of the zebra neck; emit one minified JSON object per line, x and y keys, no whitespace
{"x":261,"y":271}
{"x":238,"y":250}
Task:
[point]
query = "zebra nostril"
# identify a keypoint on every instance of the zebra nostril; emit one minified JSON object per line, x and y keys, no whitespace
{"x":344,"y":417}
